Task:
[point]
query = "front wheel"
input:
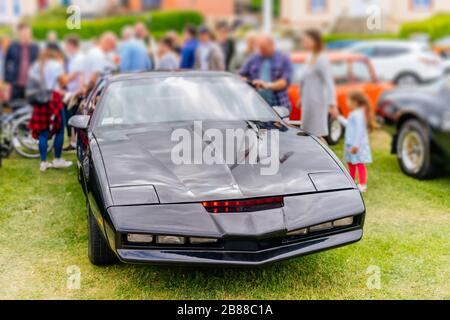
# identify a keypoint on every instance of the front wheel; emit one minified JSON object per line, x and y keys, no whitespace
{"x":98,"y":249}
{"x":335,"y":131}
{"x":23,"y":142}
{"x":413,"y":150}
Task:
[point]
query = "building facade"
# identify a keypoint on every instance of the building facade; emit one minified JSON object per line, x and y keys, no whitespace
{"x":11,"y":11}
{"x":209,"y":8}
{"x":325,"y":13}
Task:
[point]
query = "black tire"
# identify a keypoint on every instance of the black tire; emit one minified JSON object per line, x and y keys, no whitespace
{"x":336,"y":131}
{"x":27,"y":149}
{"x":413,"y":133}
{"x":99,"y":251}
{"x":407,"y":79}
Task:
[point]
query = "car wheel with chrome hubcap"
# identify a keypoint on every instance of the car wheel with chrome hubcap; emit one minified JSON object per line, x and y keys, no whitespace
{"x":413,"y":150}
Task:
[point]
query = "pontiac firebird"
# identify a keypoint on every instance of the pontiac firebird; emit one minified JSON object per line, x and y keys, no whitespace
{"x":144,"y":208}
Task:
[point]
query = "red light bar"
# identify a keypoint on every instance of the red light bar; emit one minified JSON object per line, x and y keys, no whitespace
{"x":243,"y":205}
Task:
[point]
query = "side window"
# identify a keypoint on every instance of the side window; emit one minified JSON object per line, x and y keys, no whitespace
{"x":367,"y":51}
{"x":340,"y":72}
{"x":94,"y":98}
{"x":361,"y":72}
{"x":389,"y":52}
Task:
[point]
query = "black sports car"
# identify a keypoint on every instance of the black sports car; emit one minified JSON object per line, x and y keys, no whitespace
{"x":419,"y":119}
{"x":144,"y":207}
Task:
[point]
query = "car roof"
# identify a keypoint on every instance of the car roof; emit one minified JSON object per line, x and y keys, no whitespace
{"x":332,"y":56}
{"x":167,"y":74}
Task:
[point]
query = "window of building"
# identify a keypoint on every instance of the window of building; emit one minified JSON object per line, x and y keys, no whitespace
{"x":16,"y":8}
{"x":421,"y":4}
{"x":318,"y":5}
{"x":2,"y":7}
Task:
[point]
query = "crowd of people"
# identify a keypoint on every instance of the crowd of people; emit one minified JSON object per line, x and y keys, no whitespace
{"x":67,"y":71}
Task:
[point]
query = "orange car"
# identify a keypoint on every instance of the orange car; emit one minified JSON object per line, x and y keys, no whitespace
{"x":351,"y":72}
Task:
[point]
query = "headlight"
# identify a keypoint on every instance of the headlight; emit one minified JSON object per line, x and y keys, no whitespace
{"x":139,"y":238}
{"x":340,"y":223}
{"x":300,"y":232}
{"x":321,"y":227}
{"x":343,"y":222}
{"x":170,"y":240}
{"x":202,"y":240}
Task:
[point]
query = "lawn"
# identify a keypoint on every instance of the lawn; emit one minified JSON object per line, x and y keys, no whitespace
{"x":407,"y":238}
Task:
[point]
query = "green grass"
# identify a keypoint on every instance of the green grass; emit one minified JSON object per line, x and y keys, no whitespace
{"x":43,"y":232}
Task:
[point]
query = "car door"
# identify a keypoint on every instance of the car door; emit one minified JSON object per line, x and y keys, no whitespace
{"x":341,"y":73}
{"x":390,"y":62}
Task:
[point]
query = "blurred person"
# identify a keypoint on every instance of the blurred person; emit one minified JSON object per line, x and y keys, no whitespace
{"x":48,"y":117}
{"x":19,"y":57}
{"x":227,"y":43}
{"x":209,"y":55}
{"x":2,"y":60}
{"x":99,"y":59}
{"x":75,"y":81}
{"x":173,"y":36}
{"x":250,"y":49}
{"x":318,"y":91}
{"x":357,"y":147}
{"x":270,"y":72}
{"x":133,"y":53}
{"x":52,"y":41}
{"x":189,"y":48}
{"x":168,"y":59}
{"x":143,"y":34}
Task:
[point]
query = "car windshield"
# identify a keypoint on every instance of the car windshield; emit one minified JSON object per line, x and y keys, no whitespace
{"x":177,"y":98}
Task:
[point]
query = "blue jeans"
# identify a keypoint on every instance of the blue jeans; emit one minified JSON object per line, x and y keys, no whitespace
{"x":59,"y":141}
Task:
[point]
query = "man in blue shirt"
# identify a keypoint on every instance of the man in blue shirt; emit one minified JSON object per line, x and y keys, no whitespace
{"x":189,"y":48}
{"x":134,"y":56}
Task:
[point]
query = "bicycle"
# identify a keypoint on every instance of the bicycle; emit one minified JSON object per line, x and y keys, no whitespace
{"x":15,"y":134}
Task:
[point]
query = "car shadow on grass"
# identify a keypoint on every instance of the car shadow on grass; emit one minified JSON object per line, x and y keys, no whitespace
{"x":283,"y":280}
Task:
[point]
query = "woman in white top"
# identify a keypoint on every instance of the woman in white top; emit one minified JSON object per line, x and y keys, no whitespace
{"x":318,"y":92}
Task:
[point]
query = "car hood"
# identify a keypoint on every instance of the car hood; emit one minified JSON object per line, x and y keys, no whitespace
{"x":142,"y":157}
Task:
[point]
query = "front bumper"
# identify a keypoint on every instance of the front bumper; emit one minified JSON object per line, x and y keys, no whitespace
{"x":246,"y":239}
{"x":236,"y":258}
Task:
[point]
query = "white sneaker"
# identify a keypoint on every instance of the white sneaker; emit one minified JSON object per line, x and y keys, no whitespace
{"x":61,"y":164}
{"x":45,"y":166}
{"x":362,"y":188}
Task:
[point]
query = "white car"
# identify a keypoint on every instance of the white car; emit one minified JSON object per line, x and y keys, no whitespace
{"x":405,"y":63}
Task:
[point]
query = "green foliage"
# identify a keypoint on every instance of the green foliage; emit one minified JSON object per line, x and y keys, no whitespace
{"x":158,"y":22}
{"x":436,"y":27}
{"x":360,"y":37}
{"x":53,"y":14}
{"x":5,"y":32}
{"x":256,"y":6}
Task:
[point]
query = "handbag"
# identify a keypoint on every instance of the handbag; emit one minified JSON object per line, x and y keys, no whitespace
{"x":36,"y":91}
